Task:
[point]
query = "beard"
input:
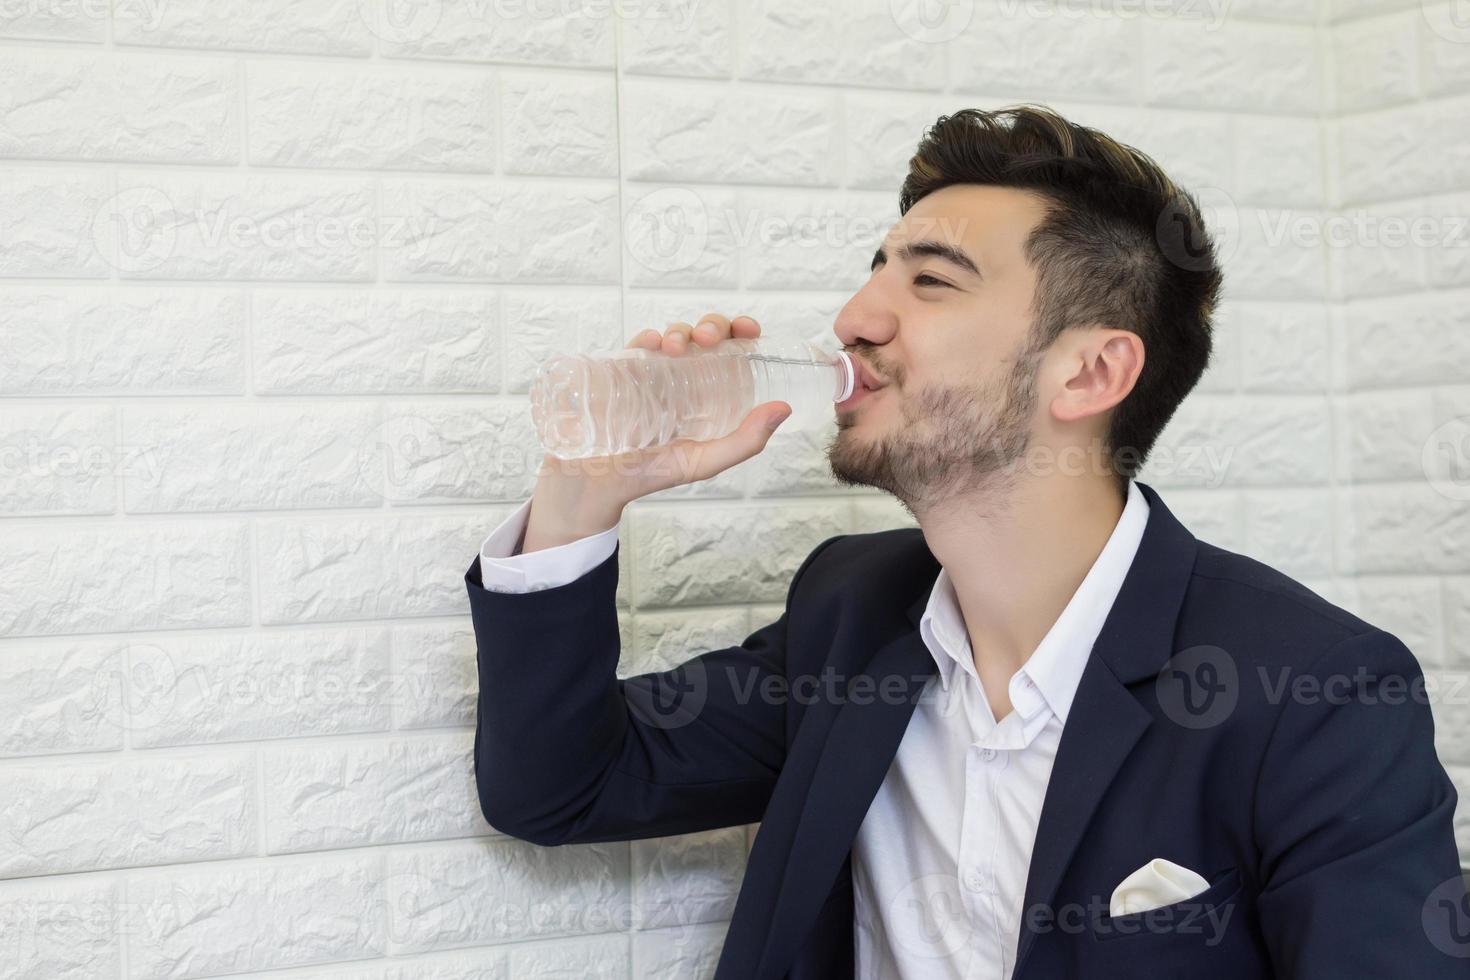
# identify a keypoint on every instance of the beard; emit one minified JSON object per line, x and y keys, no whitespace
{"x":950,"y":440}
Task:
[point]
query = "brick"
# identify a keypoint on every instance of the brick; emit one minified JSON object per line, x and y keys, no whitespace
{"x":505,"y":889}
{"x":664,"y":640}
{"x":82,"y":341}
{"x":681,"y":237}
{"x":810,"y":241}
{"x":435,"y":677}
{"x":1239,"y":65}
{"x":61,"y":696}
{"x":237,"y":917}
{"x":500,"y":231}
{"x":860,"y":43}
{"x":62,"y":460}
{"x":1071,"y":53}
{"x":125,"y":813}
{"x":542,"y":323}
{"x":1401,"y":528}
{"x":687,"y":879}
{"x":248,"y":227}
{"x":559,"y":124}
{"x":322,"y":341}
{"x":237,"y":687}
{"x":334,"y":27}
{"x":480,"y":31}
{"x":57,"y":105}
{"x":84,"y":21}
{"x":253,"y":457}
{"x":1213,"y":442}
{"x":52,"y":223}
{"x":678,"y":134}
{"x":98,"y":577}
{"x":60,"y":929}
{"x":682,"y":37}
{"x":441,"y":452}
{"x":365,"y":568}
{"x":1376,"y":61}
{"x":380,"y":118}
{"x":378,"y":792}
{"x":723,"y":553}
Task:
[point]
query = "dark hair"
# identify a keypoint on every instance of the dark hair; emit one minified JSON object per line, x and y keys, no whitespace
{"x":1120,"y":245}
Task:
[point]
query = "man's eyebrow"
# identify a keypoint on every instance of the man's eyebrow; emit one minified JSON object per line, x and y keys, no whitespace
{"x":938,"y":250}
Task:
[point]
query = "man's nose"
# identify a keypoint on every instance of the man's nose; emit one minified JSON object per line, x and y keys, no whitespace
{"x":866,"y":318}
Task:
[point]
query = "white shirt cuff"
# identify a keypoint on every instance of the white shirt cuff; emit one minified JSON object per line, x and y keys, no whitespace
{"x":504,"y":569}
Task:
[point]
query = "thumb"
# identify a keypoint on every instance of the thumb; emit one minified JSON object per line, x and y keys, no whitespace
{"x":701,"y":460}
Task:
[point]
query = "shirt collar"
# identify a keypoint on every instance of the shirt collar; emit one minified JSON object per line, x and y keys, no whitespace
{"x":1055,"y":668}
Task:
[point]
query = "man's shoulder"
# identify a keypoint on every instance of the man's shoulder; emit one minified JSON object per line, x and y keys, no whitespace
{"x":865,"y":552}
{"x":1266,"y":617}
{"x":890,"y":563}
{"x":1242,"y":580}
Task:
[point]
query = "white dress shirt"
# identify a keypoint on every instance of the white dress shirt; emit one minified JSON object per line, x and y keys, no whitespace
{"x":941,"y":859}
{"x":504,"y":569}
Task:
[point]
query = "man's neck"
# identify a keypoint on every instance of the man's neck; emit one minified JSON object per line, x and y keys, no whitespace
{"x":1015,"y":558}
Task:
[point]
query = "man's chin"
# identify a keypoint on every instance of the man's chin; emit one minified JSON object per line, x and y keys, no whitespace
{"x":855,"y":461}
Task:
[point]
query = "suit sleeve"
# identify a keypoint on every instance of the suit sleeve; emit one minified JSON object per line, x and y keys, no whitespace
{"x":566,"y":752}
{"x":1353,"y":824}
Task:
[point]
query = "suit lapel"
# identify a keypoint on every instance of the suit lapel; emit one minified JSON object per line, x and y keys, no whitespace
{"x":1104,"y":724}
{"x":856,"y":754}
{"x":1106,"y":719}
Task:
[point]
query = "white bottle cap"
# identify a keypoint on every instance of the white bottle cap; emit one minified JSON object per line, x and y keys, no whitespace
{"x":851,"y":372}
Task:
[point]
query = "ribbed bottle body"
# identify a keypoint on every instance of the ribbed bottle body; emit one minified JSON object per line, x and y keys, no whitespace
{"x":598,"y":405}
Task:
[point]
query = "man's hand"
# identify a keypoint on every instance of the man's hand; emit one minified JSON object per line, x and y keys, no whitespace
{"x":578,"y":497}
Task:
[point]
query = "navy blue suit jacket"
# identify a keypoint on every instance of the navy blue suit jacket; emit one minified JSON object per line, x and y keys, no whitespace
{"x":1228,"y":720}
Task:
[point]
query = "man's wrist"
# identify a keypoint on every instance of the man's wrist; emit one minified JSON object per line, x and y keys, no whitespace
{"x":550,"y":527}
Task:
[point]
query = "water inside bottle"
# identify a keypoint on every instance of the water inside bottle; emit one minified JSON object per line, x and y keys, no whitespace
{"x":637,"y":398}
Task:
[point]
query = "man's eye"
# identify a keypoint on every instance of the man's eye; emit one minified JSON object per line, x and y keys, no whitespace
{"x":924,"y":279}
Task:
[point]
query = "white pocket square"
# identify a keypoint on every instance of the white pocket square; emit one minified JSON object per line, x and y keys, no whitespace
{"x":1153,"y":886}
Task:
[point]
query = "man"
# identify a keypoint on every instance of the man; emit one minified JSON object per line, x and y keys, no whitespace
{"x":1049,"y":733}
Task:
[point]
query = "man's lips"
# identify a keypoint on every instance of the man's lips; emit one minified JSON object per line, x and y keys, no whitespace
{"x":865,"y":376}
{"x":859,"y":394}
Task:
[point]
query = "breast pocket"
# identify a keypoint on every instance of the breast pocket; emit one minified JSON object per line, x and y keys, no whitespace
{"x":1203,"y":920}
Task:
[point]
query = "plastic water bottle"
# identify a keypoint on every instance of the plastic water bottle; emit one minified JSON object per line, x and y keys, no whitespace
{"x":599,"y":405}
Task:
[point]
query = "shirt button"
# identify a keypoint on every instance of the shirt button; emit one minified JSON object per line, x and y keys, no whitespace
{"x":988,"y":755}
{"x":974,"y":881}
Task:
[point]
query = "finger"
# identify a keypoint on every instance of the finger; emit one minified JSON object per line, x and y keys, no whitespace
{"x":711,"y":329}
{"x":676,"y":338}
{"x":744,"y":326}
{"x":649,"y":338}
{"x":699,"y":460}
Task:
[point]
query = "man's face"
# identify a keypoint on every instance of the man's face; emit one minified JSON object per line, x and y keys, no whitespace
{"x":944,"y":322}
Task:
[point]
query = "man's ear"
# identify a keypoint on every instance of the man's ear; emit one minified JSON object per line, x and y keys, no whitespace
{"x":1100,"y":366}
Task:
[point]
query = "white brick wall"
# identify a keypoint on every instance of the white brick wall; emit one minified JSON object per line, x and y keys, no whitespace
{"x":274,"y":277}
